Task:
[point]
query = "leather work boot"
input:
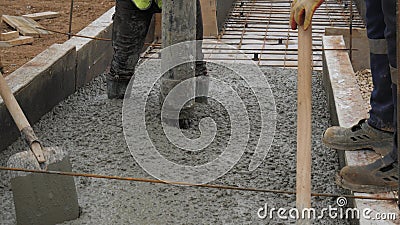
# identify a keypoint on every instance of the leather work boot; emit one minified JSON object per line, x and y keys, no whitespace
{"x":377,"y":177}
{"x":116,"y":86}
{"x":358,"y":137}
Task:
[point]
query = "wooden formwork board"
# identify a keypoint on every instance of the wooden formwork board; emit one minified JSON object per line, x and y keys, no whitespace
{"x":9,"y":35}
{"x":26,"y":26}
{"x":22,"y":40}
{"x":42,"y":15}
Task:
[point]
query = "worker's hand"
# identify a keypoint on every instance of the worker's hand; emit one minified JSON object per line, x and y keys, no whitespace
{"x":302,"y":11}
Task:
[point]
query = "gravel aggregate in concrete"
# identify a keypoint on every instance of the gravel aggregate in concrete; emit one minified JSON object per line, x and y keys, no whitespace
{"x":89,"y":127}
{"x":364,"y":81}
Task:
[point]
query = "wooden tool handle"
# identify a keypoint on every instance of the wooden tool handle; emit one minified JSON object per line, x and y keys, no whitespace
{"x":19,"y":118}
{"x":303,"y":179}
{"x":12,"y":105}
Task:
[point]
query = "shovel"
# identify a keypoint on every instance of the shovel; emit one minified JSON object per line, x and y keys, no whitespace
{"x":39,"y":198}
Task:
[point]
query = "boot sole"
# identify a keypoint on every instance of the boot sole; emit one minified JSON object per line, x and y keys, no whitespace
{"x":381,"y":148}
{"x":363,"y":188}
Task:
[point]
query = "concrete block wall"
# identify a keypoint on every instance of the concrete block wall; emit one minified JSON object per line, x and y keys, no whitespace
{"x":93,"y":56}
{"x":56,"y":73}
{"x":360,"y":57}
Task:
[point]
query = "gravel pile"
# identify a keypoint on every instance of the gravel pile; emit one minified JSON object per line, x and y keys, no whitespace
{"x":364,"y":81}
{"x":90,"y":127}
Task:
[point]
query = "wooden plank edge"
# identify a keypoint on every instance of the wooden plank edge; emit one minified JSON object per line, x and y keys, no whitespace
{"x":42,"y":15}
{"x":25,"y":26}
{"x":22,"y":40}
{"x":9,"y":35}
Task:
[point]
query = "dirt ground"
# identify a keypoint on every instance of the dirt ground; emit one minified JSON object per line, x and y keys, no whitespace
{"x":84,"y":12}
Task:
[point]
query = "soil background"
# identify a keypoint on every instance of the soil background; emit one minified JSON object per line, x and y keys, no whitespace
{"x":84,"y":12}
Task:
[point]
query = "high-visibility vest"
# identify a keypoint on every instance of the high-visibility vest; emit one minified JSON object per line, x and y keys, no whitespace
{"x":145,"y":4}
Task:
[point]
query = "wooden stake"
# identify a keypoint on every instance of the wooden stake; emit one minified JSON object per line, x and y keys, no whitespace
{"x":303,"y":178}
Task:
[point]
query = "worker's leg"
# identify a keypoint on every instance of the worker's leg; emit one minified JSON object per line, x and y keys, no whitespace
{"x":381,"y":175}
{"x":381,"y":114}
{"x":394,"y":154}
{"x":376,"y":132}
{"x":389,"y":9}
{"x":129,"y":32}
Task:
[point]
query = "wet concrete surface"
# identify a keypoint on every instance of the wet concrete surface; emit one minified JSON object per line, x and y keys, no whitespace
{"x":89,"y":127}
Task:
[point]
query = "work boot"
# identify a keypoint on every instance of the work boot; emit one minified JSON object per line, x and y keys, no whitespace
{"x":357,"y":137}
{"x":116,"y":86}
{"x":379,"y":176}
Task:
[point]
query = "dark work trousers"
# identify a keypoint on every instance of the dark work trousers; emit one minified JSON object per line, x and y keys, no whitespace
{"x":381,"y":29}
{"x":382,"y":50}
{"x":130,"y":28}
